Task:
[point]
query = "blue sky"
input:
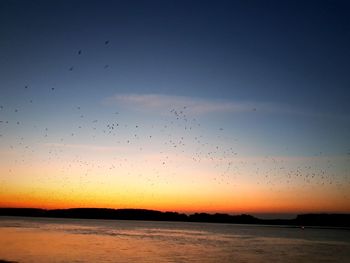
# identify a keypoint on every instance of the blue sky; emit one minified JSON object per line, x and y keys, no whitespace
{"x":266,"y":78}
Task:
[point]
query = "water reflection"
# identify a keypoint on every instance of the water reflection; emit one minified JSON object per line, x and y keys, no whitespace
{"x":67,"y":240}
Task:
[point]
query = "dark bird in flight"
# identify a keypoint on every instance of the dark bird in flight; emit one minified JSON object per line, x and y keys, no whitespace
{"x":79,"y":52}
{"x":106,"y":42}
{"x":71,"y":68}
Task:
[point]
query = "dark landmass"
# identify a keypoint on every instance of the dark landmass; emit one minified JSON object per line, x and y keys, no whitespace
{"x":318,"y":220}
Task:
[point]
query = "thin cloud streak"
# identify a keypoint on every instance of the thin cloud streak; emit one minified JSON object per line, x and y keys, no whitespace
{"x":86,"y":147}
{"x":197,"y":106}
{"x":200,"y":106}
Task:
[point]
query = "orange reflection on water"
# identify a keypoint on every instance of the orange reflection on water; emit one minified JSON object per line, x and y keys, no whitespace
{"x":40,"y":245}
{"x":31,"y":246}
{"x":70,"y":240}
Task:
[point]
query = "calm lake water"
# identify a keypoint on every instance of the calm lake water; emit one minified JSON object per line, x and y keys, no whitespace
{"x":75,"y":240}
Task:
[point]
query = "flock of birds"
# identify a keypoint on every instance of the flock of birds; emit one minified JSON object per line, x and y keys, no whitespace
{"x":180,"y":140}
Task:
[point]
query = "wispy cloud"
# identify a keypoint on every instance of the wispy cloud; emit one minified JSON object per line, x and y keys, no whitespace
{"x":197,"y":106}
{"x":85,"y":147}
{"x":193,"y":105}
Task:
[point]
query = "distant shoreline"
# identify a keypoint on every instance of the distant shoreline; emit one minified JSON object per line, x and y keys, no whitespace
{"x":323,"y":220}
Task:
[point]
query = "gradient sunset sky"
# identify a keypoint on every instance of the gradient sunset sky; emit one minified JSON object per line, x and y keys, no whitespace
{"x":216,"y":106}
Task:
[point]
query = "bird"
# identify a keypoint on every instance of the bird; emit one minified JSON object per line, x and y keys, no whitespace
{"x":79,"y":52}
{"x":106,"y":42}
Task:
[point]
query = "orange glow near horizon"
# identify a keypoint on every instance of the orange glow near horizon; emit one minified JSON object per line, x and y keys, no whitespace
{"x":151,"y":173}
{"x":179,"y":196}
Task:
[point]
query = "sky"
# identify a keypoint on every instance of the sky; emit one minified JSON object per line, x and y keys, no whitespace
{"x":188,"y":106}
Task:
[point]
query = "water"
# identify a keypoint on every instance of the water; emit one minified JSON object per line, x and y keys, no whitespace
{"x":74,"y":240}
